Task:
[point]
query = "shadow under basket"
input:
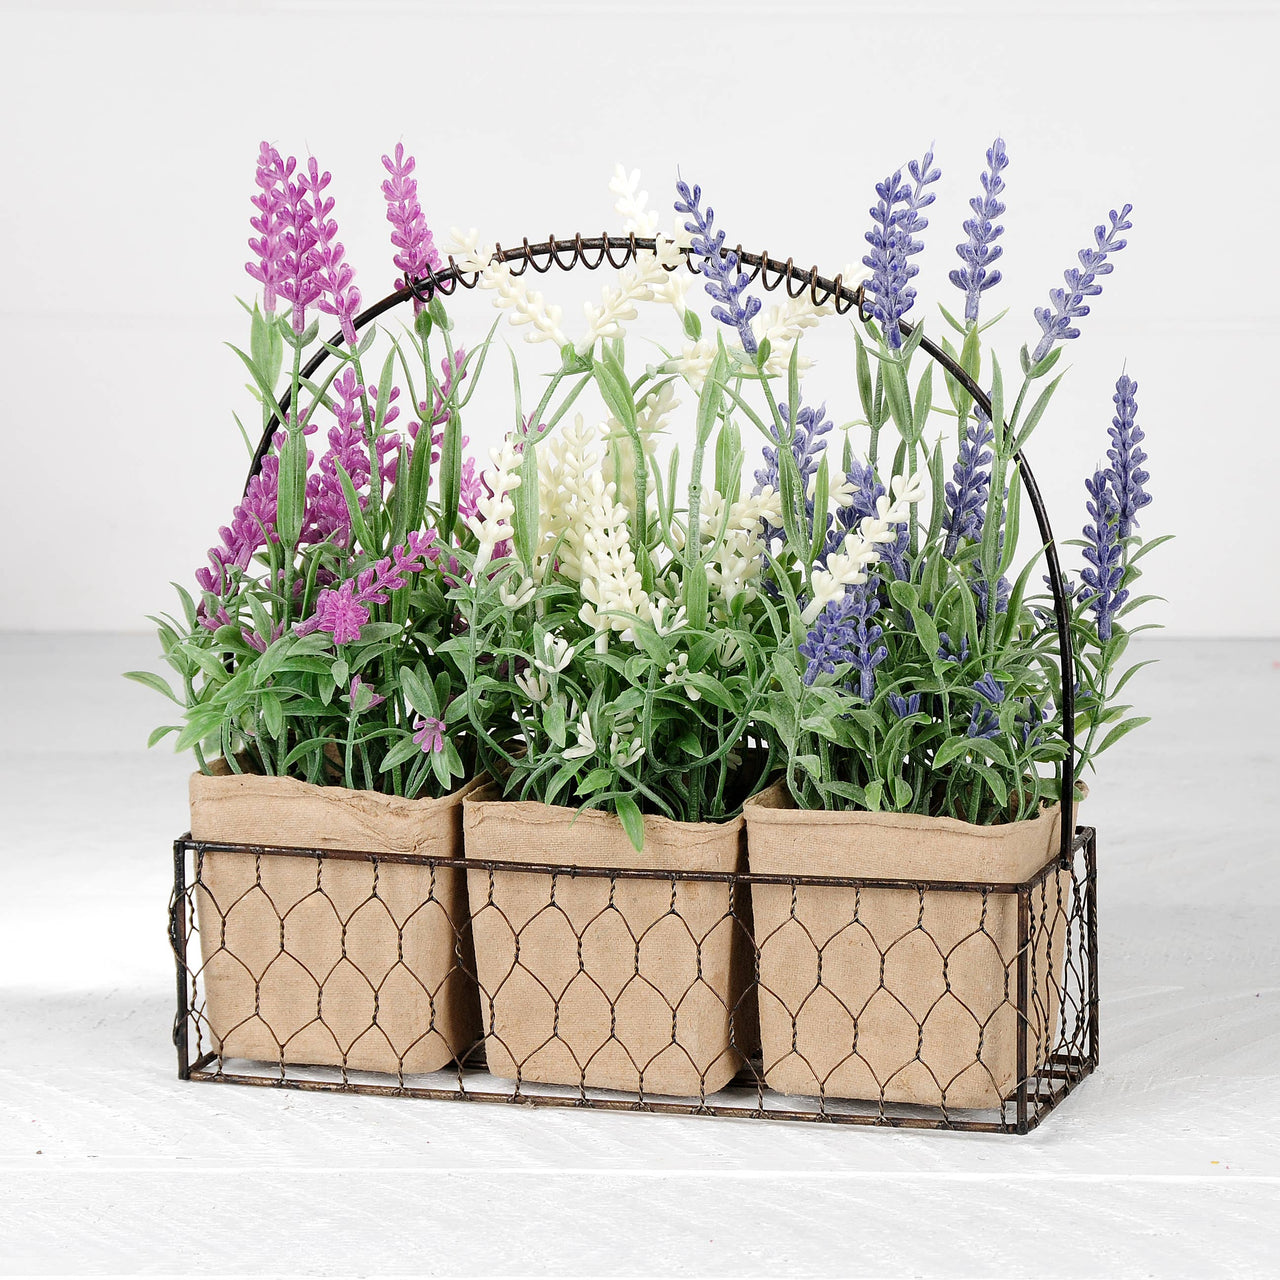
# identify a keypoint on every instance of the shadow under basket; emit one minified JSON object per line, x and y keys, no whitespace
{"x":945,"y":992}
{"x":328,"y":958}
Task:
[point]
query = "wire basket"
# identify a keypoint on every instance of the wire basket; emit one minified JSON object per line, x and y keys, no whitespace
{"x":993,"y":1055}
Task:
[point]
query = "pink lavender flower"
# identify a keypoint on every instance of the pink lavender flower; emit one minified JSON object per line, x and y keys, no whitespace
{"x":356,"y":685}
{"x":338,"y":296}
{"x":252,"y":525}
{"x":409,"y":231}
{"x":343,"y":611}
{"x":255,"y":641}
{"x":269,"y":223}
{"x":300,"y":284}
{"x":430,"y":733}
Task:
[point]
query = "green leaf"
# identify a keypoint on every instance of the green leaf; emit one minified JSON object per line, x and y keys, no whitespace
{"x":419,"y":691}
{"x":696,"y":594}
{"x":525,"y":501}
{"x":863,"y":367}
{"x":450,"y":475}
{"x":291,"y":495}
{"x":1035,"y":413}
{"x":153,"y":681}
{"x":1125,"y":726}
{"x":632,"y":820}
{"x":951,"y":750}
{"x":358,"y":526}
{"x":692,"y":325}
{"x":924,"y":402}
{"x":272,"y":714}
{"x":163,"y":731}
{"x":404,"y":750}
{"x":615,"y":390}
{"x":594,"y":780}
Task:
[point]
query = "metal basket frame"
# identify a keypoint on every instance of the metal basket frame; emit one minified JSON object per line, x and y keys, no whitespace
{"x":1071,"y":1056}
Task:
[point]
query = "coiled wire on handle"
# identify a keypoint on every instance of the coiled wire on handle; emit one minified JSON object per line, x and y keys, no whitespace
{"x":593,"y":252}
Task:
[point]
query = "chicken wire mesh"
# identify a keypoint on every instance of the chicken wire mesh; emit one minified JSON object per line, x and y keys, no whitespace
{"x":826,"y":999}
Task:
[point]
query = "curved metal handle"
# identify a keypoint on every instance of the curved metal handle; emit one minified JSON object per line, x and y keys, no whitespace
{"x":579,"y":251}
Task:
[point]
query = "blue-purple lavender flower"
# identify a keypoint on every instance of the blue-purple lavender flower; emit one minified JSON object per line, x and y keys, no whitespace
{"x":948,"y":652}
{"x":896,"y":219}
{"x":724,"y":280}
{"x":845,"y":633}
{"x":1082,"y":282}
{"x":981,"y":594}
{"x":808,"y":441}
{"x":1126,"y":475}
{"x":904,"y":707}
{"x":865,"y":493}
{"x":980,"y":250}
{"x":984,"y":722}
{"x":1029,"y":722}
{"x":967,"y":490}
{"x":1103,"y":575}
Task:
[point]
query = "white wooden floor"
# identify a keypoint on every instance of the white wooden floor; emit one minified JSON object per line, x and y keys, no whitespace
{"x":1166,"y":1163}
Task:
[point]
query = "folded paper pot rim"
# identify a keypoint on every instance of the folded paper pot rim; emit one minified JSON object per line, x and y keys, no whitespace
{"x":894,"y":994}
{"x":351,"y":963}
{"x":636,"y":984}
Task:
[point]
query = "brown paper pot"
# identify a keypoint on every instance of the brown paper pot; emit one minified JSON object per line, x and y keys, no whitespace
{"x":626,"y":984}
{"x":893,"y":993}
{"x":332,"y":961}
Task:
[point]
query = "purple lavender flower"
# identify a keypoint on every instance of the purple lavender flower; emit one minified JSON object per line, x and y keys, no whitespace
{"x":338,"y":296}
{"x":327,"y":514}
{"x":867,"y":492}
{"x":269,"y":270}
{"x":1126,"y":475}
{"x":1102,"y":578}
{"x":300,"y":284}
{"x":904,"y":707}
{"x":252,"y":526}
{"x":895,"y":221}
{"x":949,"y":653}
{"x":844,"y":632}
{"x":344,"y":610}
{"x":451,"y":368}
{"x":356,"y":686}
{"x":967,"y":491}
{"x":1029,"y":721}
{"x":982,"y":594}
{"x":1082,"y":282}
{"x":808,"y":441}
{"x":983,"y":720}
{"x":724,"y":280}
{"x":409,"y":231}
{"x":980,"y":250}
{"x":430,"y":733}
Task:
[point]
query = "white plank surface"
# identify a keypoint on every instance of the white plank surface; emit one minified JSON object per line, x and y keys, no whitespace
{"x":1166,"y":1163}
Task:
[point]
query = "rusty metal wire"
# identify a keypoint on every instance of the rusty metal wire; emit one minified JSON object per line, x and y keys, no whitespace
{"x":953,"y":1005}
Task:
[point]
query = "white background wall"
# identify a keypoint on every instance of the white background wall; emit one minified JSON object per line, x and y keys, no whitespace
{"x":126,"y":158}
